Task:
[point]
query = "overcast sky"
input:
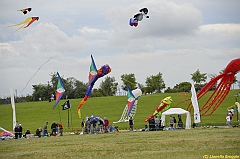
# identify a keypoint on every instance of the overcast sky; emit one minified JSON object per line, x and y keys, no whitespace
{"x":180,"y":37}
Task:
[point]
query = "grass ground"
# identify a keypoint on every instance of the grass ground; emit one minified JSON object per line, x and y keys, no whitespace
{"x":194,"y":143}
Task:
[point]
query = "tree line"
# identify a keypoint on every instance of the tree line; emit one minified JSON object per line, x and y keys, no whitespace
{"x":109,"y":87}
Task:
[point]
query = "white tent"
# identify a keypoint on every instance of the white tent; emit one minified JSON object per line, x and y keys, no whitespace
{"x":177,"y":111}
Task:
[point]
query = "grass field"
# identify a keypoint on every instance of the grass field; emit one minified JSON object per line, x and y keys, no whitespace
{"x":34,"y":114}
{"x":181,"y":144}
{"x":193,"y":143}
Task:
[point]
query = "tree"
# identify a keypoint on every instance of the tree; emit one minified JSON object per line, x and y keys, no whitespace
{"x":198,"y":77}
{"x":155,"y":83}
{"x":183,"y":87}
{"x":108,"y":86}
{"x":130,"y":80}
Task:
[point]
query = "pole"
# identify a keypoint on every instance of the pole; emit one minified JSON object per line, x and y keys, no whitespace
{"x":68,"y":117}
{"x":236,"y":97}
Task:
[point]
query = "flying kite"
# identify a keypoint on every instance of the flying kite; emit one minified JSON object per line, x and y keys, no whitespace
{"x":162,"y":106}
{"x":224,"y":82}
{"x":25,"y":10}
{"x":138,"y":17}
{"x":94,"y":75}
{"x":29,"y":20}
{"x":60,"y":90}
{"x":131,"y":106}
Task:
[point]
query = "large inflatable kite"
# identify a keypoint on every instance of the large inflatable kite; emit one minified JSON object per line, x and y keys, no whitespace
{"x":138,"y":17}
{"x":131,"y":107}
{"x":28,"y":21}
{"x":60,"y":90}
{"x":24,"y":11}
{"x":94,"y":75}
{"x":221,"y":90}
{"x":162,"y":106}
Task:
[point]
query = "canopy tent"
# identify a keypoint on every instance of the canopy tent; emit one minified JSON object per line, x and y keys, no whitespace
{"x":177,"y":111}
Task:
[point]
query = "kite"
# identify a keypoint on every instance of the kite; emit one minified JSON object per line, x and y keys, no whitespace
{"x":162,"y":106}
{"x":25,"y":10}
{"x":138,"y":17}
{"x":221,"y":91}
{"x":60,"y":90}
{"x":29,"y":20}
{"x":131,"y":106}
{"x":36,"y":73}
{"x":94,"y":75}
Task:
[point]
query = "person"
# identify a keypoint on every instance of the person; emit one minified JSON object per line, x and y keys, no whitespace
{"x":116,"y":129}
{"x":60,"y":129}
{"x":88,"y":125}
{"x":238,"y":108}
{"x":174,"y":122}
{"x":180,"y":123}
{"x":83,"y":125}
{"x":54,"y":128}
{"x":94,"y":123}
{"x":228,"y":119}
{"x":45,"y":131}
{"x":26,"y":133}
{"x":157,"y":123}
{"x":106,"y":124}
{"x":20,"y":129}
{"x":38,"y":132}
{"x":100,"y":125}
{"x":131,"y":123}
{"x":171,"y":121}
{"x":16,"y":131}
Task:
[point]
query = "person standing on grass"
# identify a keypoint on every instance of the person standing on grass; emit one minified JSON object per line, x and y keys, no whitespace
{"x":228,"y":119}
{"x":54,"y":128}
{"x":106,"y":125}
{"x":131,"y":123}
{"x":174,"y":122}
{"x":83,"y":125}
{"x":45,"y":131}
{"x":60,"y":129}
{"x":171,"y":121}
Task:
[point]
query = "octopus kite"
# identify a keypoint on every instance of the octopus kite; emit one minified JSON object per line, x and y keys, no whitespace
{"x":94,"y":75}
{"x":162,"y":106}
{"x":29,"y":20}
{"x":138,"y":17}
{"x":25,"y":10}
{"x":221,"y":91}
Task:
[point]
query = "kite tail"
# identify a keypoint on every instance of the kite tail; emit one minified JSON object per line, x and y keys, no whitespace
{"x":81,"y":104}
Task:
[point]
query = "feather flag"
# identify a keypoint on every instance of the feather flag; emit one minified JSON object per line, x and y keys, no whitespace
{"x":66,"y":105}
{"x":130,"y":100}
{"x":60,"y":90}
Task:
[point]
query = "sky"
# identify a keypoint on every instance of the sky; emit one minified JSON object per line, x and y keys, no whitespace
{"x":180,"y":37}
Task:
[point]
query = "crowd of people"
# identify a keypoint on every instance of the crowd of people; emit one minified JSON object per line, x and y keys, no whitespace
{"x":56,"y":129}
{"x":95,"y":125}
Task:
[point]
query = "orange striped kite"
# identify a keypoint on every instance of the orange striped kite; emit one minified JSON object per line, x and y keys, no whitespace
{"x":29,"y":20}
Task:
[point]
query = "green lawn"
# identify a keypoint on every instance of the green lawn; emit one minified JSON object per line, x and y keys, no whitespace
{"x":193,"y":143}
{"x":34,"y":114}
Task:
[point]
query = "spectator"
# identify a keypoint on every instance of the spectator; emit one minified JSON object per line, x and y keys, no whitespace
{"x":180,"y":123}
{"x":38,"y":132}
{"x":106,"y":125}
{"x":171,"y":121}
{"x":228,"y":119}
{"x":20,"y":129}
{"x":16,"y":131}
{"x":83,"y":125}
{"x":131,"y":123}
{"x":157,"y":123}
{"x":54,"y":128}
{"x":60,"y":129}
{"x":174,"y":122}
{"x":26,"y":133}
{"x":45,"y":131}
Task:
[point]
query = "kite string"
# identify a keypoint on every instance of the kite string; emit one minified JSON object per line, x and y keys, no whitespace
{"x":36,"y":73}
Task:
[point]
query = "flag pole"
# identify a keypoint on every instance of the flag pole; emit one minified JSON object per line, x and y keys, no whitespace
{"x":68,"y":117}
{"x":59,"y":114}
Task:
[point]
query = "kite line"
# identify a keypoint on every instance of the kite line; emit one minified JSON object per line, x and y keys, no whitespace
{"x":36,"y":73}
